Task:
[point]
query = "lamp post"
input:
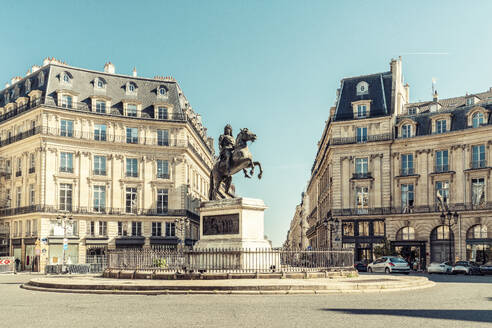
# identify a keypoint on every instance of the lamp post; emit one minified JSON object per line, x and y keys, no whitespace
{"x":449,"y":219}
{"x":64,"y":219}
{"x":331,"y":224}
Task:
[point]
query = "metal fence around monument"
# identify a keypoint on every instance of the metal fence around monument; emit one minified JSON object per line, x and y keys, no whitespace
{"x":230,"y":260}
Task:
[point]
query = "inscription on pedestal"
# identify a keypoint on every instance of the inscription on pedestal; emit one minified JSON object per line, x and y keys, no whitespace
{"x":227,"y":224}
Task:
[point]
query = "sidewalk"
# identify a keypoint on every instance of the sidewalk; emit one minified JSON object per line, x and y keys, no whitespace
{"x":99,"y":285}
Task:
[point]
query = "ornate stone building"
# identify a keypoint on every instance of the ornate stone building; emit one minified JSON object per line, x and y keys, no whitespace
{"x":107,"y":160}
{"x":395,"y":170}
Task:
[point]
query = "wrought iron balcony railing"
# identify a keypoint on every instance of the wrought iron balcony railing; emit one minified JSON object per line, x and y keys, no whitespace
{"x":480,"y":164}
{"x":407,"y":171}
{"x":359,"y":139}
{"x":365,"y":175}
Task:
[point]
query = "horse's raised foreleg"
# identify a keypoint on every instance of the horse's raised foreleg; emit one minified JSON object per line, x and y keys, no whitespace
{"x":261,"y":170}
{"x":246,"y":175}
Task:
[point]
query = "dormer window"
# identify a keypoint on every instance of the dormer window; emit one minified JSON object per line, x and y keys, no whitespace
{"x":131,"y":110}
{"x":471,"y":101}
{"x":361,"y":108}
{"x":362,"y":88}
{"x":441,"y":126}
{"x":27,"y":86}
{"x":406,"y":131}
{"x":361,"y":111}
{"x":66,"y":101}
{"x":412,"y":111}
{"x":99,"y":83}
{"x":477,"y":119}
{"x":131,"y":88}
{"x":162,"y":91}
{"x":40,"y":79}
{"x":66,"y":78}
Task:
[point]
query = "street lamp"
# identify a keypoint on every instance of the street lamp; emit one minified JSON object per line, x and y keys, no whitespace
{"x":449,"y":219}
{"x":64,"y":219}
{"x":331,"y":224}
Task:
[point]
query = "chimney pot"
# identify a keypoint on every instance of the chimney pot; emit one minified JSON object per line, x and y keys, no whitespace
{"x":134,"y":72}
{"x":109,"y":68}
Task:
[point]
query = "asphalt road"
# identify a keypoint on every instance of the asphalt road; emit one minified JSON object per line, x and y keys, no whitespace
{"x":456,"y":301}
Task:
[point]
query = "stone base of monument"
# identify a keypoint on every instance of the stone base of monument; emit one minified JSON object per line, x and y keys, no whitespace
{"x":232,"y":236}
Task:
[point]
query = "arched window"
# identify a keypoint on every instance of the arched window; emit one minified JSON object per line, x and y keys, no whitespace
{"x":441,"y":233}
{"x":362,"y":88}
{"x":478,"y":231}
{"x":66,"y":78}
{"x":477,"y":119}
{"x":406,"y":233}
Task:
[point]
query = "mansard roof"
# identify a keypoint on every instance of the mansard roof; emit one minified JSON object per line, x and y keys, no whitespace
{"x":379,"y":93}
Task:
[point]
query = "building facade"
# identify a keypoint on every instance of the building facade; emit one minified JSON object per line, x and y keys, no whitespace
{"x":414,"y":175}
{"x":97,"y":160}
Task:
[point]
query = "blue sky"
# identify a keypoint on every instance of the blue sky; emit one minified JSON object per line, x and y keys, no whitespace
{"x":271,"y":66}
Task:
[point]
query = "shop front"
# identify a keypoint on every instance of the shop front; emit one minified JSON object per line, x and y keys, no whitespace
{"x":29,"y":255}
{"x":478,"y":245}
{"x":441,"y":245}
{"x":17,"y":252}
{"x":55,"y":251}
{"x":413,"y":251}
{"x":130,"y":242}
{"x":364,"y":236}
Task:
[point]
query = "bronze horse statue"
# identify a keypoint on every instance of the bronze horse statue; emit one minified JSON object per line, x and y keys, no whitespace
{"x":241,"y":159}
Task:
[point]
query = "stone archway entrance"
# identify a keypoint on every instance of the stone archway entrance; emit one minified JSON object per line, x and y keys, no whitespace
{"x":441,"y":244}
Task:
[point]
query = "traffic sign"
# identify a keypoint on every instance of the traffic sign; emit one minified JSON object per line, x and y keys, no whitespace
{"x":65,"y":246}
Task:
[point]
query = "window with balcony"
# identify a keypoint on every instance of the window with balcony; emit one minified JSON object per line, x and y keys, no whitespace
{"x":407,"y":197}
{"x":406,"y":131}
{"x":66,"y":128}
{"x":32,"y":194}
{"x":477,"y":119}
{"x":361,"y":165}
{"x":442,"y":194}
{"x":361,"y":135}
{"x":478,"y":157}
{"x":407,"y":164}
{"x":136,"y":228}
{"x":156,"y":229}
{"x":100,"y":132}
{"x":441,"y":126}
{"x":170,"y":229}
{"x":163,"y":137}
{"x":162,"y":200}
{"x":132,"y":167}
{"x":66,"y":162}
{"x":478,"y":191}
{"x":18,"y":173}
{"x":162,"y":169}
{"x":131,"y":110}
{"x":100,"y":106}
{"x":103,"y":228}
{"x":66,"y":101}
{"x":99,"y":165}
{"x":99,"y":198}
{"x":18,"y":197}
{"x":442,"y":164}
{"x":363,"y":228}
{"x":131,"y":200}
{"x":32,"y":163}
{"x":65,"y":197}
{"x":362,"y":199}
{"x":162,"y":113}
{"x":132,"y":135}
{"x":361,"y":111}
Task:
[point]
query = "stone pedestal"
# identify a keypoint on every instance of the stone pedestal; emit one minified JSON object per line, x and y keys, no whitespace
{"x":232,"y":223}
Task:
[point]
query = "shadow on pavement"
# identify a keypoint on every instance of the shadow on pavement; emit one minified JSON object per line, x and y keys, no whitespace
{"x":445,"y":278}
{"x":464,"y":315}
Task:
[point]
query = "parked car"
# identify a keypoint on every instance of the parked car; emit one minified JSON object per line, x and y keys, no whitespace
{"x":466,"y":267}
{"x":436,"y":267}
{"x":486,"y":268}
{"x":361,"y":266}
{"x":389,"y":264}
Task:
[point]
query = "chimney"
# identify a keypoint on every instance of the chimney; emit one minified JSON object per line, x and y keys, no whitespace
{"x":46,"y":61}
{"x":134,"y":72}
{"x":407,"y":92}
{"x":435,"y":97}
{"x":332,"y":111}
{"x":109,"y":68}
{"x":35,"y":68}
{"x":7,"y":85}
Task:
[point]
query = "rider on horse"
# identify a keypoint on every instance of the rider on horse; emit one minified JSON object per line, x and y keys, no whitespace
{"x":226,"y":146}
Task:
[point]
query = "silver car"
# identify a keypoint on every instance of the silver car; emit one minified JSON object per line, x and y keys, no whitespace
{"x":389,"y":264}
{"x":436,"y":267}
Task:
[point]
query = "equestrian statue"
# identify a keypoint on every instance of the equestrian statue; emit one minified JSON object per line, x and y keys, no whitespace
{"x":234,"y":157}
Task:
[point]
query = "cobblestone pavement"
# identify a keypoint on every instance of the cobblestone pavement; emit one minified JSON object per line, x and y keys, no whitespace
{"x":456,"y":301}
